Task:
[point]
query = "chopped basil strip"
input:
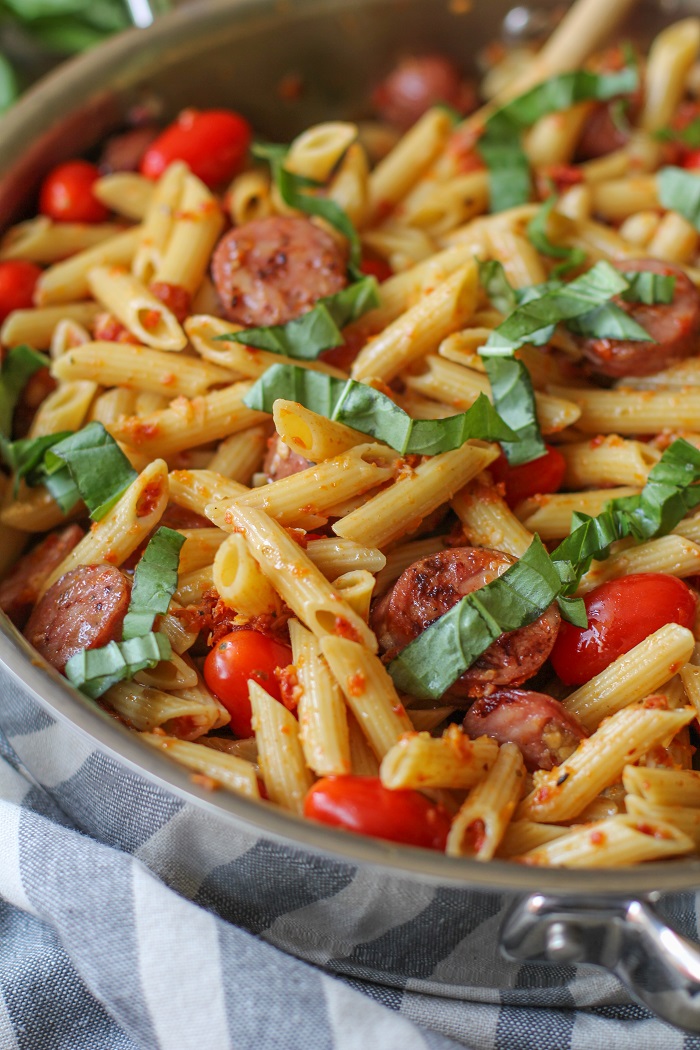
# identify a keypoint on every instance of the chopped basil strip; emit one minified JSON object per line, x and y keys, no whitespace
{"x":9,"y":88}
{"x":534,"y":321}
{"x":688,"y":136}
{"x":368,"y":410}
{"x":609,"y":322}
{"x":671,"y":490}
{"x":449,"y":646}
{"x":307,"y":336}
{"x":650,"y":288}
{"x":539,"y":238}
{"x":679,"y":191}
{"x":19,"y":366}
{"x":500,"y":145}
{"x":492,"y":277}
{"x":514,"y":400}
{"x":98,"y":468}
{"x":93,"y":671}
{"x":510,"y":183}
{"x":26,"y":456}
{"x":291,"y":188}
{"x":155,"y":581}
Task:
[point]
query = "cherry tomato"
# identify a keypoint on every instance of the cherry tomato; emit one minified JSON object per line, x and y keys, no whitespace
{"x":535,"y":478}
{"x":365,"y":806}
{"x":621,"y":614}
{"x":239,"y":656}
{"x":17,"y":282}
{"x":66,"y":194}
{"x":692,"y":160}
{"x":378,"y":268}
{"x":212,"y":142}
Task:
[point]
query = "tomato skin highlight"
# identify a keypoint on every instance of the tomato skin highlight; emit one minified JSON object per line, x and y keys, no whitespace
{"x":375,"y":267}
{"x":212,"y":142}
{"x":536,"y":478}
{"x":66,"y":194}
{"x":364,"y":806}
{"x":17,"y":283}
{"x":237,"y":657}
{"x":691,"y":161}
{"x":621,"y":614}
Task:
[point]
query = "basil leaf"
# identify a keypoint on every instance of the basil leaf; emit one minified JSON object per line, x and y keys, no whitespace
{"x":307,"y":336}
{"x":688,"y":136}
{"x":368,"y":410}
{"x":609,"y":322}
{"x":98,"y":467}
{"x":514,"y":400}
{"x":291,"y":189}
{"x":558,"y":93}
{"x":61,"y":487}
{"x":510,"y":183}
{"x":155,"y":582}
{"x":9,"y":88}
{"x":650,"y":288}
{"x":19,"y":366}
{"x":534,"y":321}
{"x":671,"y":490}
{"x":429,"y":665}
{"x":492,"y":277}
{"x":539,"y":238}
{"x":573,"y":610}
{"x":500,"y":146}
{"x":679,"y":191}
{"x":26,"y":455}
{"x":93,"y":671}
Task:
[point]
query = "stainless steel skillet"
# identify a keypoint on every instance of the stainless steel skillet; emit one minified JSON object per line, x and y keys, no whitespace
{"x":236,"y":54}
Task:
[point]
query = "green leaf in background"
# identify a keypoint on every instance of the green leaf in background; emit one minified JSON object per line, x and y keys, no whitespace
{"x":9,"y":88}
{"x":500,"y":146}
{"x":539,"y":238}
{"x":679,"y":191}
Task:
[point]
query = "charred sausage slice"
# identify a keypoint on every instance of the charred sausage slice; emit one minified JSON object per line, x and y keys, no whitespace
{"x":543,"y":730}
{"x":85,"y":609}
{"x":416,"y":84}
{"x":20,"y":590}
{"x":675,"y":327}
{"x":431,"y":586}
{"x":271,"y":270}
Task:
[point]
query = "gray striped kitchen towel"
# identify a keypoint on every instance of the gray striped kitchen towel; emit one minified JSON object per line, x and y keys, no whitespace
{"x":131,"y":926}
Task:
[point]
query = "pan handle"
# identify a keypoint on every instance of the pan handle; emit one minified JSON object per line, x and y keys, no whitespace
{"x":659,"y":968}
{"x":144,"y":12}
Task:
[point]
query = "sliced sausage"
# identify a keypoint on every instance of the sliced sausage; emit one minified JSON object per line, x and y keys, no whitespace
{"x":271,"y":270}
{"x":675,"y":327}
{"x":543,"y":730}
{"x":281,"y":461}
{"x":431,"y":586}
{"x":20,"y":590}
{"x":123,"y":152}
{"x":38,"y":388}
{"x":419,"y":82}
{"x":601,"y":134}
{"x":85,"y":609}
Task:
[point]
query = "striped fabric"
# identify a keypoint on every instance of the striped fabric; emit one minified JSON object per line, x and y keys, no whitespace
{"x":135,"y":924}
